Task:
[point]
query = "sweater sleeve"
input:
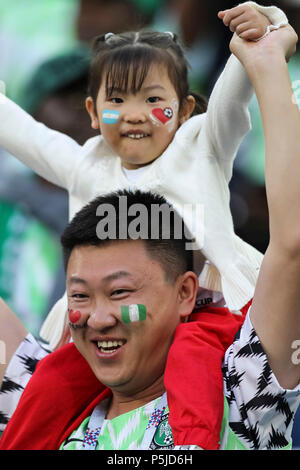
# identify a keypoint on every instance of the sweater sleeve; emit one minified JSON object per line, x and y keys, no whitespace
{"x":228,"y":118}
{"x":49,"y":153}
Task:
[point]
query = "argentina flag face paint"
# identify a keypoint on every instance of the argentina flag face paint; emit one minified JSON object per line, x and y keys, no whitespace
{"x":110,"y":116}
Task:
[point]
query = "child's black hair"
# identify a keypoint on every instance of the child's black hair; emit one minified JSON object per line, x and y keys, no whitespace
{"x":124,"y":60}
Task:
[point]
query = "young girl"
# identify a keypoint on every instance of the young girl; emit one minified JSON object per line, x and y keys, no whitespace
{"x":155,"y":136}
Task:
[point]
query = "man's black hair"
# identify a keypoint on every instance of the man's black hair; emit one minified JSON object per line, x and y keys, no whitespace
{"x":133,"y":215}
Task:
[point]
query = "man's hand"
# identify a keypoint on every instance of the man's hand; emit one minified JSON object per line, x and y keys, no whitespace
{"x":282,"y":41}
{"x":245,"y":21}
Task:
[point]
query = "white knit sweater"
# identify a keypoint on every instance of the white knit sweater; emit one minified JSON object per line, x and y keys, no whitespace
{"x":194,"y":169}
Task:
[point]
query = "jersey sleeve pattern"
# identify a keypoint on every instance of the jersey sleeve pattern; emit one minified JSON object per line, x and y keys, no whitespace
{"x":17,"y":375}
{"x":261,"y":412}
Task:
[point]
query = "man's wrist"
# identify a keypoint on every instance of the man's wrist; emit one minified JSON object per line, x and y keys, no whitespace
{"x":266,"y":63}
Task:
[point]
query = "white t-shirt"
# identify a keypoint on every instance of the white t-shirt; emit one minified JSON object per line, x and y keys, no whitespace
{"x":134,"y":175}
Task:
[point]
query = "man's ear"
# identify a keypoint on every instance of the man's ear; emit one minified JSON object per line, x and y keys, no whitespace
{"x":187,"y":109}
{"x":187,"y":293}
{"x":89,"y":105}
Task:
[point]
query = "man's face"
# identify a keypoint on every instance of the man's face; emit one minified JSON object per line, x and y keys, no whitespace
{"x":99,"y":281}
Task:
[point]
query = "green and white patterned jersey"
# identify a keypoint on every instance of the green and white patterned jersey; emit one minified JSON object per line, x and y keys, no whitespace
{"x":125,"y":432}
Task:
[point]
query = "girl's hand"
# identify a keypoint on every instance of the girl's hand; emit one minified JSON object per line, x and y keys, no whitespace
{"x":281,"y":42}
{"x":244,"y":20}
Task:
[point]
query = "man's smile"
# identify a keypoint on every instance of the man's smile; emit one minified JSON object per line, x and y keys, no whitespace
{"x":110,"y":346}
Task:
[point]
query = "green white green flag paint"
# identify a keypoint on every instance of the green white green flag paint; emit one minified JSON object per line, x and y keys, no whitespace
{"x":133,"y":312}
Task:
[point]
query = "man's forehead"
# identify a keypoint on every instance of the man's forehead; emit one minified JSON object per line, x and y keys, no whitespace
{"x":111,"y":261}
{"x":108,"y":247}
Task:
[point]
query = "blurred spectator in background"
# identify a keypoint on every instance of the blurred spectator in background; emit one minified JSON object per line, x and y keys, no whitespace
{"x":97,"y":17}
{"x":30,"y":32}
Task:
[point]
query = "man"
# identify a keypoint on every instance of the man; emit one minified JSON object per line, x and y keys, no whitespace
{"x":124,"y":388}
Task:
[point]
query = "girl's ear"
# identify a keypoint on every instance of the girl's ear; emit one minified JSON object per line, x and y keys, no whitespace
{"x":89,"y":105}
{"x":187,"y":109}
{"x":187,"y":293}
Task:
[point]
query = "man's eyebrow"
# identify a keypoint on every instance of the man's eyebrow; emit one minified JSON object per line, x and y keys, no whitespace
{"x":116,"y":275}
{"x":76,"y":280}
{"x":109,"y":278}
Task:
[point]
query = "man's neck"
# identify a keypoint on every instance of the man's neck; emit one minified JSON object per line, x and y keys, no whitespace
{"x":124,"y":402}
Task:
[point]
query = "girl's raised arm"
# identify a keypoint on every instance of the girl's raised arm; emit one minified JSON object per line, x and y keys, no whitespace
{"x":49,"y":153}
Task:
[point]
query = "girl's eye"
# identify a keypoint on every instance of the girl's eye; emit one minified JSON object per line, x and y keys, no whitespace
{"x":116,"y":100}
{"x":153,"y":99}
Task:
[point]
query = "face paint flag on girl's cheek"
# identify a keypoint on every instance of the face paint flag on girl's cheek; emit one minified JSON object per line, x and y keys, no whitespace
{"x":133,"y":312}
{"x":110,"y":116}
{"x":163,"y":115}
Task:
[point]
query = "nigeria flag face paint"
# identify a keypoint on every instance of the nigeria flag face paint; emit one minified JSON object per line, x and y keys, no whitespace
{"x":132,"y":313}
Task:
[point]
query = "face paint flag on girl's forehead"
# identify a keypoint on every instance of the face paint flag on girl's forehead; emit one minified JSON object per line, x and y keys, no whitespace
{"x":133,"y":312}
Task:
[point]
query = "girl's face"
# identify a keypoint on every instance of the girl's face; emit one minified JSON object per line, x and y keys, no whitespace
{"x":140,"y":126}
